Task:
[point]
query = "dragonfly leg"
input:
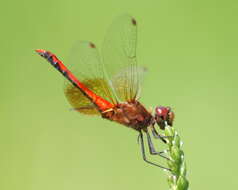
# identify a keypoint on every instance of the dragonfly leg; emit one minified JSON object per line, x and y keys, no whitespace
{"x":144,"y":155}
{"x":152,"y":148}
{"x":158,"y":136}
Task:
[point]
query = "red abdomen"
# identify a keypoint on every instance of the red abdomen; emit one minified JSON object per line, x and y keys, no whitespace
{"x":100,"y":103}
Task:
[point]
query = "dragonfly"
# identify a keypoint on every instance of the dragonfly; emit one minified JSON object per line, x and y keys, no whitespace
{"x":109,"y":85}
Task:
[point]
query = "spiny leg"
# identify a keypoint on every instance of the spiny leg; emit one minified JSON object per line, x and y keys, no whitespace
{"x":152,"y":148}
{"x":158,"y":136}
{"x":144,"y":155}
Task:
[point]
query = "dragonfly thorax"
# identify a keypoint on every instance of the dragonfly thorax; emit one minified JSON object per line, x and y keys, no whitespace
{"x":132,"y":114}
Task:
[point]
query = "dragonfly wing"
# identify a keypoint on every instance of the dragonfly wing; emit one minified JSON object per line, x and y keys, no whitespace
{"x":119,"y":58}
{"x":120,"y":81}
{"x":79,"y":101}
{"x":84,"y":62}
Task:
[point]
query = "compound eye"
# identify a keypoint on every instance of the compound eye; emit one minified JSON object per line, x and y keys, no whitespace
{"x":159,"y":111}
{"x":162,"y":112}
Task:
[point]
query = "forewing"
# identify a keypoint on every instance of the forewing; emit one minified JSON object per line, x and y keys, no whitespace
{"x":119,"y":57}
{"x":120,"y":81}
{"x":84,"y":62}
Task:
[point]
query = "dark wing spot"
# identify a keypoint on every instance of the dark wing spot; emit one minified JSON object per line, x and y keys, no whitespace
{"x":133,"y":21}
{"x":91,"y":45}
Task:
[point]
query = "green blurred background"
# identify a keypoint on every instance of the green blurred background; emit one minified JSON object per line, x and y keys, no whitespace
{"x":191,"y":51}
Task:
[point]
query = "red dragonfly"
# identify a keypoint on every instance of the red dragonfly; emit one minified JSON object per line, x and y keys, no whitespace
{"x":110,"y":86}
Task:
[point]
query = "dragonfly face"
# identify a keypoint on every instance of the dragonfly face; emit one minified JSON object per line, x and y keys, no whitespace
{"x":164,"y":116}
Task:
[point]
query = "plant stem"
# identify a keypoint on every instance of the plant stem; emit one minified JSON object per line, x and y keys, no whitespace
{"x":177,"y":178}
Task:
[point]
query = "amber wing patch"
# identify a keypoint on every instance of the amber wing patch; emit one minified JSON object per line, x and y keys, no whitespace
{"x":79,"y":101}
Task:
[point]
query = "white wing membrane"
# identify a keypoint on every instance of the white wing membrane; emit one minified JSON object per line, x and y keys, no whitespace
{"x":119,"y":57}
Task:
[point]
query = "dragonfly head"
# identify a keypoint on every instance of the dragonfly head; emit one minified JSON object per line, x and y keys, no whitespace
{"x":164,"y":116}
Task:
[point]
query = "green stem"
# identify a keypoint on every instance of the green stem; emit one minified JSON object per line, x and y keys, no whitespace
{"x":177,"y":178}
